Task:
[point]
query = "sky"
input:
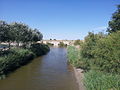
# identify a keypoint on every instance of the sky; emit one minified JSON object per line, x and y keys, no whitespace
{"x":60,"y":19}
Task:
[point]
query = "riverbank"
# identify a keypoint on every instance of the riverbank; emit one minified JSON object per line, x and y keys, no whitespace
{"x":79,"y":75}
{"x":12,"y":59}
{"x":93,"y":79}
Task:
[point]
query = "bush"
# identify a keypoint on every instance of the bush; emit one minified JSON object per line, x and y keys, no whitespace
{"x":50,"y":44}
{"x":95,"y":80}
{"x":88,"y":47}
{"x":5,"y":52}
{"x":39,"y":49}
{"x":107,"y":54}
{"x":61,"y":44}
{"x":78,"y":42}
{"x":74,"y":58}
{"x":14,"y":60}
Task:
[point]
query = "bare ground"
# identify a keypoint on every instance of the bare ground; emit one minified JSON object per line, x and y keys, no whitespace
{"x":79,"y":78}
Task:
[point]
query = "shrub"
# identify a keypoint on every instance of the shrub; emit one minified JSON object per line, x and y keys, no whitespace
{"x":74,"y":58}
{"x":50,"y":44}
{"x":5,"y":52}
{"x":61,"y":44}
{"x":78,"y":42}
{"x":88,"y":47}
{"x":39,"y":49}
{"x":107,"y":54}
{"x":14,"y":60}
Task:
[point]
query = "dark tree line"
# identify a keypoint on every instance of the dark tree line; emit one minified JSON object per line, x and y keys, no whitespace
{"x":19,"y":33}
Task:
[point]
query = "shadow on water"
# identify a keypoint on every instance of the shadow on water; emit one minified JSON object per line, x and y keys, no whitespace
{"x":49,"y":72}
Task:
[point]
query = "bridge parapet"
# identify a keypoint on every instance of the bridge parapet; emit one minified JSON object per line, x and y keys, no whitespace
{"x":57,"y":42}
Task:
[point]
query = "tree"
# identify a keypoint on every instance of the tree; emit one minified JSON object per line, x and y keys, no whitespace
{"x":114,"y":24}
{"x":36,"y":35}
{"x":18,"y":32}
{"x":77,"y":42}
{"x":3,"y":31}
{"x":24,"y":34}
{"x":6,"y":35}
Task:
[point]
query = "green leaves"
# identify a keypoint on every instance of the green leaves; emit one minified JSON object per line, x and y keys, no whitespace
{"x":39,"y":49}
{"x":18,"y":32}
{"x":13,"y":60}
{"x":114,"y":24}
{"x":107,"y":53}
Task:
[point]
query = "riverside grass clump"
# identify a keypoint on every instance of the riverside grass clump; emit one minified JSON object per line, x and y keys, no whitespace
{"x":73,"y":56}
{"x":12,"y":61}
{"x":96,"y":80}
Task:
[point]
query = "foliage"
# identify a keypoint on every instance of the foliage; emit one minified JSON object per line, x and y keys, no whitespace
{"x":4,"y":32}
{"x":114,"y":24}
{"x":49,"y":44}
{"x":95,"y":80}
{"x":39,"y":49}
{"x":88,"y":47}
{"x":73,"y":56}
{"x":100,"y":55}
{"x":78,"y":42}
{"x":107,"y":54}
{"x":14,"y":60}
{"x":6,"y":52}
{"x":18,"y":32}
{"x":61,"y":44}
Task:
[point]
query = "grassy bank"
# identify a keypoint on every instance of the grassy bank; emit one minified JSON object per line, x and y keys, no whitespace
{"x":15,"y":58}
{"x":96,"y":80}
{"x":93,"y":79}
{"x":73,"y":56}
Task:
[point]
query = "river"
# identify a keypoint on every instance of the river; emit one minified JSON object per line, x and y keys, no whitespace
{"x":49,"y":72}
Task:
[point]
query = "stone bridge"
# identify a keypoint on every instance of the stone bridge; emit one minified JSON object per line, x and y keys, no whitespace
{"x":57,"y":42}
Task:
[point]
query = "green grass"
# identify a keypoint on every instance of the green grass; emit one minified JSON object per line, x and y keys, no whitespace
{"x":73,"y":56}
{"x":96,"y":80}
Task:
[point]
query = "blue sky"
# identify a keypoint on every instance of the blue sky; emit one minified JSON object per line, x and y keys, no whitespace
{"x":60,"y":19}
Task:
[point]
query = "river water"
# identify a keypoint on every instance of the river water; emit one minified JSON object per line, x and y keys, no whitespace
{"x":49,"y":72}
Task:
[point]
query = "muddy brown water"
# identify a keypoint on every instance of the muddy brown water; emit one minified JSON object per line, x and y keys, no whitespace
{"x":49,"y":72}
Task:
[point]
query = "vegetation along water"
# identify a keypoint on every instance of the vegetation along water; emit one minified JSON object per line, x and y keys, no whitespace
{"x":23,"y":49}
{"x":49,"y":72}
{"x":99,"y":56}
